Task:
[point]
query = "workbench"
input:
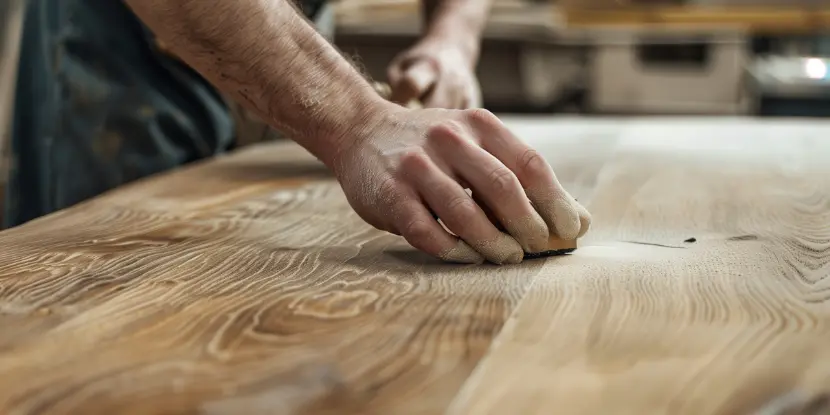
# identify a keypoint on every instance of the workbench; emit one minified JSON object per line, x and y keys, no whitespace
{"x":246,"y":285}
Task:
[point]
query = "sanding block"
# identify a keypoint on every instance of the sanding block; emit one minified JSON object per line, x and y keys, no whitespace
{"x":556,"y":247}
{"x":385,"y":91}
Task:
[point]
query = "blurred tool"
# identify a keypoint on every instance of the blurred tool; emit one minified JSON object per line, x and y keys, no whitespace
{"x":385,"y":91}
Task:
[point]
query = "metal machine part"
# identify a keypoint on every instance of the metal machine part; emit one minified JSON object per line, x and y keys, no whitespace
{"x":791,"y":85}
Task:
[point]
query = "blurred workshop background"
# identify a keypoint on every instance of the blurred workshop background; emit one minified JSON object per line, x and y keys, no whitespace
{"x":635,"y":57}
{"x":593,"y":57}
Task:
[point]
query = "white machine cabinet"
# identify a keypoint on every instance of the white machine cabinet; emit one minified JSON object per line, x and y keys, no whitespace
{"x":669,"y":72}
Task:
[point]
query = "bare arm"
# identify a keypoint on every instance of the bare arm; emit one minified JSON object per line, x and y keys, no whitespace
{"x":268,"y":56}
{"x":395,"y":165}
{"x":457,"y":21}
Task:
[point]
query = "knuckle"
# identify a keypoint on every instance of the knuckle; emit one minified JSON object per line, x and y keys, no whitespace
{"x":482,"y":116}
{"x":388,"y":192}
{"x":415,"y":161}
{"x":387,"y":187}
{"x":459,"y":212}
{"x":447,"y":131}
{"x":532,"y":164}
{"x":502,"y":181}
{"x":417,"y":233}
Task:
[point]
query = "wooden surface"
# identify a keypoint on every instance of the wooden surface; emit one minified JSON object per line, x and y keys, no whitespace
{"x":577,"y":20}
{"x":508,"y":20}
{"x":754,"y":19}
{"x":245,"y":285}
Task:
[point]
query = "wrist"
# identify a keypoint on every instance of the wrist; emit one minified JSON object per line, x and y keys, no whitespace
{"x":465,"y":43}
{"x":464,"y":46}
{"x":346,"y":127}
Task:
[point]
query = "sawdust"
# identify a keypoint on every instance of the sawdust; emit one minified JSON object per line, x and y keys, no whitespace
{"x":462,"y":253}
{"x":564,"y":216}
{"x":502,"y":250}
{"x":531,"y":232}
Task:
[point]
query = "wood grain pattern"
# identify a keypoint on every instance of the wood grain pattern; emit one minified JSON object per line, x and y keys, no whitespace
{"x":639,"y":321}
{"x":246,"y":285}
{"x":228,"y":289}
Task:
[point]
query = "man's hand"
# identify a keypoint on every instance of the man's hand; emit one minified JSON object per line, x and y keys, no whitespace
{"x":395,"y":165}
{"x":439,"y":74}
{"x":400,"y":170}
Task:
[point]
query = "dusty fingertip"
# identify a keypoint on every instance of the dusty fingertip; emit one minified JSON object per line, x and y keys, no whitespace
{"x":530,"y":231}
{"x":566,"y":219}
{"x":503,"y":250}
{"x":515,"y":258}
{"x":559,"y":212}
{"x":462,"y":253}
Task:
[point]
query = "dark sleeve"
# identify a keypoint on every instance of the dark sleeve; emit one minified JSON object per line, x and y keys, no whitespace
{"x":97,"y":106}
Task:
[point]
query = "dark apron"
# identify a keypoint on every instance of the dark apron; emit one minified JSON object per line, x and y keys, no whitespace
{"x":97,"y":105}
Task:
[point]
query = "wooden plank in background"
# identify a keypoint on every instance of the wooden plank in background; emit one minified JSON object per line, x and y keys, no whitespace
{"x":247,"y":285}
{"x":757,"y":20}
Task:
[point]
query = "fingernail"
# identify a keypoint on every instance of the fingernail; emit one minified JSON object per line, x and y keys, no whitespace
{"x":462,"y":253}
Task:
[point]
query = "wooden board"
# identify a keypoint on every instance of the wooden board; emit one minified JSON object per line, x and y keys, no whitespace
{"x":245,"y":285}
{"x":756,"y":20}
{"x":508,"y":20}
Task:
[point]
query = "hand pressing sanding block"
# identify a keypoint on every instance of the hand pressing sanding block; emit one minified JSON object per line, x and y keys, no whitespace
{"x":556,"y":246}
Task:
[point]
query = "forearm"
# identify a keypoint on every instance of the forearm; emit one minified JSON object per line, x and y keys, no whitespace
{"x":267,"y":56}
{"x":457,"y":21}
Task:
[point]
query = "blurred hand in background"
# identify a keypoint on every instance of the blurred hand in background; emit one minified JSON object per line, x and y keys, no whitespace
{"x":436,"y":72}
{"x":440,"y":69}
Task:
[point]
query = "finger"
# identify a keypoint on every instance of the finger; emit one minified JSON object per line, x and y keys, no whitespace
{"x":564,"y":216}
{"x":471,"y":98}
{"x":584,"y":219}
{"x":459,"y":213}
{"x":474,"y":99}
{"x":394,"y":71}
{"x":415,"y":81}
{"x":443,"y":95}
{"x":496,"y":186}
{"x":384,"y":90}
{"x":423,"y":232}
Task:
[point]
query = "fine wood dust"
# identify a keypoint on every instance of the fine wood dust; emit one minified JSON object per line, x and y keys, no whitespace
{"x":531,"y":232}
{"x":565,"y":217}
{"x":461,"y":253}
{"x":502,"y":250}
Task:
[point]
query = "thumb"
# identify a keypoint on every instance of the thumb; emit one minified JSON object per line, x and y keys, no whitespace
{"x":415,"y":82}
